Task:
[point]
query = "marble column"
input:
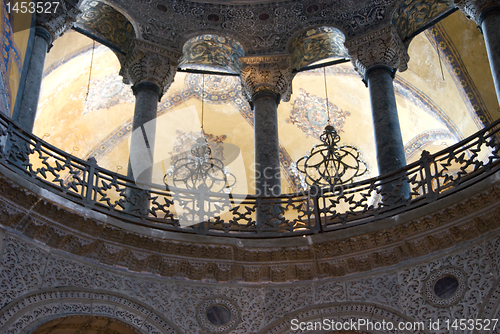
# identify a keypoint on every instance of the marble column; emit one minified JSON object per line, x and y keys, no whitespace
{"x":376,"y":57}
{"x":147,"y":95}
{"x":29,"y":101}
{"x":267,"y":162}
{"x":49,"y":26}
{"x":486,"y":14}
{"x":266,"y":81}
{"x":490,"y":26}
{"x":388,"y":139}
{"x":151,"y":70}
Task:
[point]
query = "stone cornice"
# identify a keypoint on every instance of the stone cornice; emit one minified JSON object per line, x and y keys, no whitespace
{"x":473,"y":8}
{"x":147,"y":62}
{"x":60,"y":228}
{"x":267,"y":73}
{"x":383,"y":47}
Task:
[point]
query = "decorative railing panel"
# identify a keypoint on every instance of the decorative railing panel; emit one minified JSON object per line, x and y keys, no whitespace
{"x":315,"y":211}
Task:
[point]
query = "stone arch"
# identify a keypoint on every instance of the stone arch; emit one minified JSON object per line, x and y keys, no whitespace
{"x":26,"y":313}
{"x":344,"y":311}
{"x":316,"y":43}
{"x":91,"y":323}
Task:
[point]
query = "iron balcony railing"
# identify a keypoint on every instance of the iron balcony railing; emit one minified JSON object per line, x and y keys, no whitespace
{"x":314,"y":211}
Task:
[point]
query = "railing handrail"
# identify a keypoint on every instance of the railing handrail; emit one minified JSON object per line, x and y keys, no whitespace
{"x":303,"y":212}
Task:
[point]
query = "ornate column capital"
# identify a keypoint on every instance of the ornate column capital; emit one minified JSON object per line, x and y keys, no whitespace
{"x":474,"y":8}
{"x":149,"y":63}
{"x":267,"y":73}
{"x":383,"y":47}
{"x":59,"y":21}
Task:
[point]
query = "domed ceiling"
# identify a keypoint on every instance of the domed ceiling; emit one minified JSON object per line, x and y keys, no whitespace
{"x":443,"y":97}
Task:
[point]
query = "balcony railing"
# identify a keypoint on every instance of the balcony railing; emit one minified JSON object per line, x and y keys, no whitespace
{"x":318,"y":210}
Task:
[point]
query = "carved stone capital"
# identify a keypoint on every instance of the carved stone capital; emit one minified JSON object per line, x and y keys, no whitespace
{"x":59,"y":21}
{"x":271,"y":73}
{"x":383,"y":47}
{"x":147,"y":62}
{"x":473,"y":8}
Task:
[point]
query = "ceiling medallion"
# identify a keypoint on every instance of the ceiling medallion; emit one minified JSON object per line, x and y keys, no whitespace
{"x":329,"y":165}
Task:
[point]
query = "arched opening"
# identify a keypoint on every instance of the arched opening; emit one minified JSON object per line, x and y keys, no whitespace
{"x":84,"y":325}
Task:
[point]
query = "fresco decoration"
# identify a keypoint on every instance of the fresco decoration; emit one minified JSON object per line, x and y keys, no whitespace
{"x":453,"y":62}
{"x":11,"y":60}
{"x":216,"y":88}
{"x":105,"y":22}
{"x":316,"y":44}
{"x":310,"y":115}
{"x":418,"y":143}
{"x":217,"y":52}
{"x":98,"y":49}
{"x":409,"y":92}
{"x":412,"y":15}
{"x":193,"y":91}
{"x":402,"y":88}
{"x":107,"y":92}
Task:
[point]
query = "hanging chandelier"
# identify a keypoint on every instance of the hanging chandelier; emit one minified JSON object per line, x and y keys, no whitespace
{"x":199,"y":170}
{"x":329,"y":165}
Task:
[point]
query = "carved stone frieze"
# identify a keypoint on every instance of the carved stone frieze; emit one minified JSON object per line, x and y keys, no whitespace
{"x":383,"y":47}
{"x":473,"y":8}
{"x":147,"y":62}
{"x":153,"y":304}
{"x":267,"y":74}
{"x":59,"y":21}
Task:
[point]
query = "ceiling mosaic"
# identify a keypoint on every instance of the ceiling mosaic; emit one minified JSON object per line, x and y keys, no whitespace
{"x":317,"y":44}
{"x":263,"y":29}
{"x":310,"y":113}
{"x":106,"y":23}
{"x":212,"y":52}
{"x":413,"y":15}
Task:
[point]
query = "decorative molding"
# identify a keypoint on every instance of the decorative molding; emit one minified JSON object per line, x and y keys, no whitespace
{"x":69,"y":285}
{"x":36,"y":308}
{"x":58,"y":22}
{"x":60,"y":228}
{"x":146,"y":62}
{"x":269,"y":73}
{"x":473,"y":8}
{"x":383,"y":47}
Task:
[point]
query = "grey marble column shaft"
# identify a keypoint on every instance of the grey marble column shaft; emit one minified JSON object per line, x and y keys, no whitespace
{"x":147,"y":96}
{"x":29,"y":101}
{"x":146,"y":105}
{"x":388,"y":139}
{"x":491,"y":30}
{"x":267,"y":162}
